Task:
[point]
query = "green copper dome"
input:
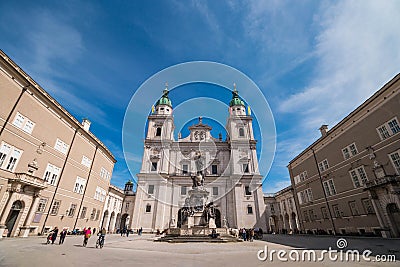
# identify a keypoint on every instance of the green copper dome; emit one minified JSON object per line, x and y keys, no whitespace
{"x":236,"y":101}
{"x":164,"y":100}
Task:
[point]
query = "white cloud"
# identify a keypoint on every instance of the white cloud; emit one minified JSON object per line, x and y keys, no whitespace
{"x":358,"y":51}
{"x":277,"y":186}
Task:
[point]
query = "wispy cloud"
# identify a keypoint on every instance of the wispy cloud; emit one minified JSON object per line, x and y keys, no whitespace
{"x":357,"y":52}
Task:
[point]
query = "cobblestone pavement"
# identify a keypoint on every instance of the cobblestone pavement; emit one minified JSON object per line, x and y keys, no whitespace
{"x":142,"y":251}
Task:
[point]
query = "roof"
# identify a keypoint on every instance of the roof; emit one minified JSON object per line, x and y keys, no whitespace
{"x":235,"y":101}
{"x":32,"y":84}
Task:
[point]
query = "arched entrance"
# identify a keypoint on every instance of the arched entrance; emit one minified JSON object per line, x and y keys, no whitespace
{"x":16,"y":208}
{"x":105,"y":220}
{"x":180,"y":222}
{"x":293,"y":221}
{"x":111,"y":223}
{"x":394,"y":217}
{"x":287,"y":225}
{"x":272,"y":224}
{"x":217,"y":218}
{"x":124,"y":222}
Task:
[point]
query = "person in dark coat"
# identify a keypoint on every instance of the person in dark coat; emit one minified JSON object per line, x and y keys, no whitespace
{"x":63,"y":234}
{"x":54,"y":235}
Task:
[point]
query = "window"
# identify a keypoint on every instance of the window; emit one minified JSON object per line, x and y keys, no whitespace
{"x":303,"y":176}
{"x":249,"y":209}
{"x":79,"y":185}
{"x":148,"y":208}
{"x":353,"y":208}
{"x":324,"y":212}
{"x":394,"y":125}
{"x":388,"y":129}
{"x":272,"y":208}
{"x":185,"y":169}
{"x":246,"y":168}
{"x":329,"y":188}
{"x":150,"y":190}
{"x":15,"y":155}
{"x":154,"y":166}
{"x":83,"y":213}
{"x":395,"y":158}
{"x":158,"y":131}
{"x":215,"y":191}
{"x":61,"y":146}
{"x":97,"y":215}
{"x":9,"y":156}
{"x":72,"y":209}
{"x":23,"y":123}
{"x":323,"y":165}
{"x":51,"y":174}
{"x":183,"y":190}
{"x":55,"y":207}
{"x":100,"y":194}
{"x":349,"y":151}
{"x":247,"y":190}
{"x":93,"y":214}
{"x":86,"y":161}
{"x":214,"y":169}
{"x":336,"y":211}
{"x":368,"y":206}
{"x":104,"y":174}
{"x":358,"y":176}
{"x":309,"y":194}
{"x":305,"y":196}
{"x":42,"y":205}
{"x":241,"y":132}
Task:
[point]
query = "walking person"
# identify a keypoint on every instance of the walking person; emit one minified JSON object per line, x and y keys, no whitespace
{"x":140,"y":231}
{"x":54,"y":235}
{"x":62,"y":236}
{"x":251,"y":234}
{"x":87,"y":235}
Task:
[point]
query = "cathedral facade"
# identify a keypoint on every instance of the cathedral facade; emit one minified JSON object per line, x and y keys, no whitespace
{"x":226,"y":169}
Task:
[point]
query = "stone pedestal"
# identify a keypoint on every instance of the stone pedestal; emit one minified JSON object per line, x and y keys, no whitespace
{"x":211,"y":223}
{"x":190,"y":221}
{"x":24,"y":231}
{"x":2,"y":230}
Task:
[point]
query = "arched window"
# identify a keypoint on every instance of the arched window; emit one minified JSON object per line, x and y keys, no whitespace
{"x":158,"y":131}
{"x":241,"y":132}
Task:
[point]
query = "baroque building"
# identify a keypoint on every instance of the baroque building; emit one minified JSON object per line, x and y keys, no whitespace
{"x":348,"y":181}
{"x":229,"y":168}
{"x":53,"y":170}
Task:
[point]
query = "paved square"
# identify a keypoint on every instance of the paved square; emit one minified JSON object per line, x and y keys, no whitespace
{"x":142,"y":251}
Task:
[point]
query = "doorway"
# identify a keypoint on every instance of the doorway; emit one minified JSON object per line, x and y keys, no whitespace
{"x":13,"y":216}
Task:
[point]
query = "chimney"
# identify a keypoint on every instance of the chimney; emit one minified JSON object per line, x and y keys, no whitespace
{"x":324,"y":130}
{"x":86,"y":124}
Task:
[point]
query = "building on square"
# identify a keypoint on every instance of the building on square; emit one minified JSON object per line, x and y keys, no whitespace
{"x":281,"y":213}
{"x":347,"y":181}
{"x":53,"y":170}
{"x":229,"y":167}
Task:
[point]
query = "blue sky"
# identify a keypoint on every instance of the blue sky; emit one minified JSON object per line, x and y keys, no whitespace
{"x":315,"y":61}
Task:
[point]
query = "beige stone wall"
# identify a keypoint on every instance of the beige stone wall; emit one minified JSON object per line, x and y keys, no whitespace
{"x":359,"y":128}
{"x":52,"y":122}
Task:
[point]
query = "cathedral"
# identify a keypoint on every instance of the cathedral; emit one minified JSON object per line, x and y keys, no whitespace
{"x":226,"y":170}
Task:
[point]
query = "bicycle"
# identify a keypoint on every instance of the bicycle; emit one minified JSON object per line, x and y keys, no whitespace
{"x":100,"y":241}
